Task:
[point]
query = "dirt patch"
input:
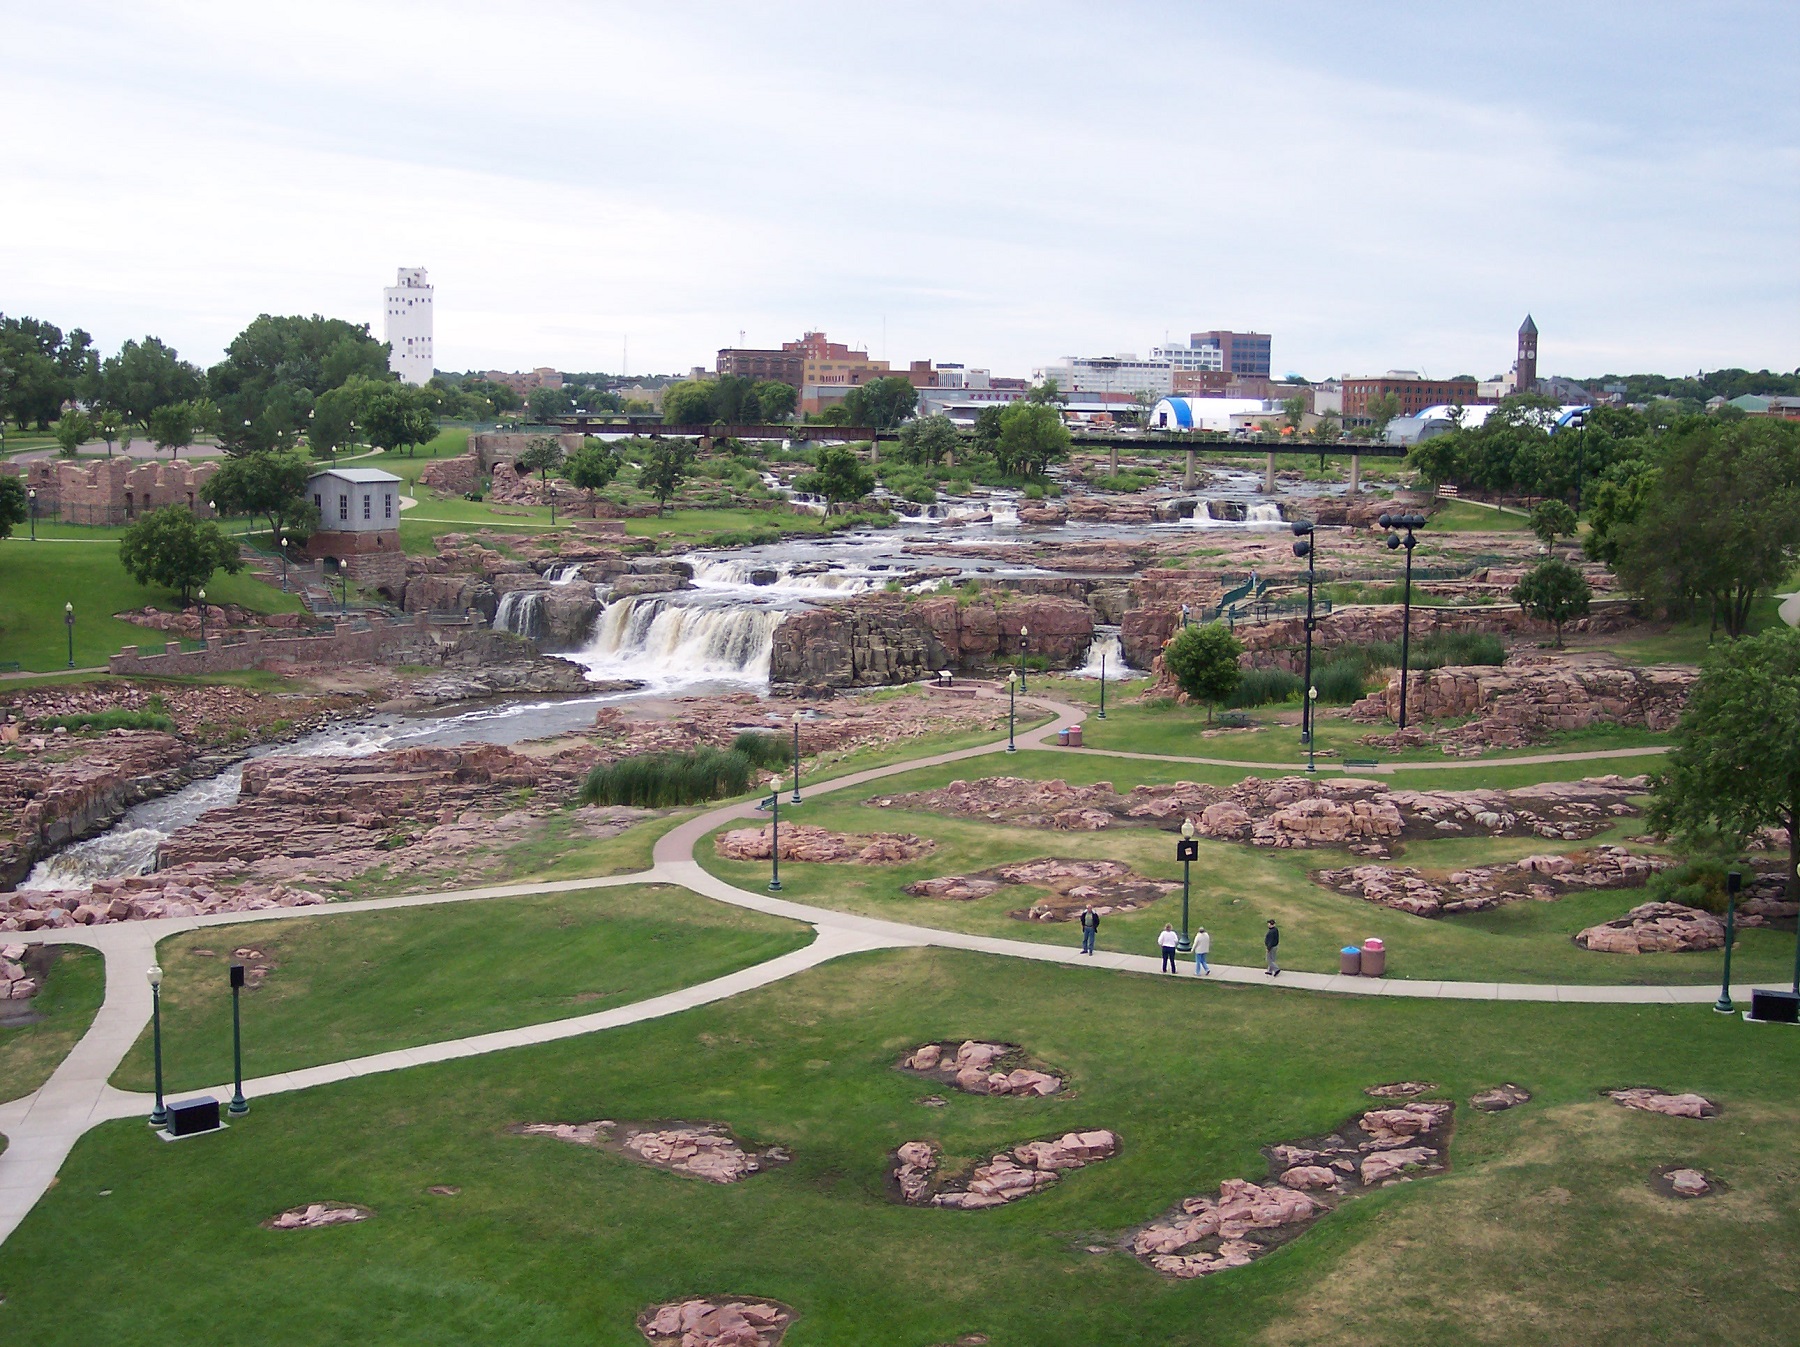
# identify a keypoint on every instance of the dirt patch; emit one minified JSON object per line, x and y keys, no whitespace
{"x":983,"y":1068}
{"x":698,"y":1150}
{"x":1243,"y":1220}
{"x":717,"y":1321}
{"x":317,"y":1215}
{"x":918,"y":1179}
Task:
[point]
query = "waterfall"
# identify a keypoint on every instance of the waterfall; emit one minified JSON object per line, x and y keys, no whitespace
{"x":667,"y":645}
{"x":566,"y":574}
{"x":779,"y":577}
{"x":1106,"y":644}
{"x":521,"y":612}
{"x":1006,"y":514}
{"x":1212,"y":514}
{"x":1264,"y":512}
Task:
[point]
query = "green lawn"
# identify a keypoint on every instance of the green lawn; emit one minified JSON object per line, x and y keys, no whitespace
{"x":1546,"y":1214}
{"x":36,"y":579}
{"x":70,"y":996}
{"x":1461,"y":516}
{"x":346,"y":986}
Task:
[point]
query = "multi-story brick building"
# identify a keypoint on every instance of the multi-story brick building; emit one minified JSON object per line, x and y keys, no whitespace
{"x":1415,"y":393}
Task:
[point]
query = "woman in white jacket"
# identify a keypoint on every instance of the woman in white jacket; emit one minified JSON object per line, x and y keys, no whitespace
{"x":1202,"y":947}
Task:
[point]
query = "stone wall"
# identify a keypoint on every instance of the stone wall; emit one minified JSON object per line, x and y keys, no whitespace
{"x":1520,"y":701}
{"x":455,"y":475}
{"x":114,"y":491}
{"x":420,"y":641}
{"x":489,"y":447}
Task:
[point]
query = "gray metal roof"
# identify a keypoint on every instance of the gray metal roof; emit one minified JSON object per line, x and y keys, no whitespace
{"x":367,"y":476}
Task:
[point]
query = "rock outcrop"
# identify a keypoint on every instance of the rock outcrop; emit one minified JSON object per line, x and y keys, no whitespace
{"x":804,"y":842}
{"x":1480,"y":887}
{"x":1515,"y":704}
{"x":716,"y":1321}
{"x":1656,"y":928}
{"x":982,"y":1068}
{"x":1500,"y":1098}
{"x":1106,"y":886}
{"x":1652,"y":1100}
{"x":1006,"y":1177}
{"x":316,"y":1215}
{"x":698,"y":1150}
{"x":16,"y":983}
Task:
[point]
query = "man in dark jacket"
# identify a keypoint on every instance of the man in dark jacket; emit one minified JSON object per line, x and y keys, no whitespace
{"x":1090,"y":927}
{"x":1272,"y":939}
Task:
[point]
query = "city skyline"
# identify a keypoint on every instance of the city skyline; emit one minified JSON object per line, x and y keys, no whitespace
{"x":1618,"y":172}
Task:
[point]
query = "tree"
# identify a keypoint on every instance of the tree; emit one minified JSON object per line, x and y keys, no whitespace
{"x":546,"y":403}
{"x":275,"y":370}
{"x":1047,"y":393}
{"x":881,"y":404}
{"x":688,"y":403}
{"x":172,"y":427}
{"x":928,"y":440}
{"x":73,"y":429}
{"x":1553,"y":591}
{"x":1721,"y":522}
{"x":1553,"y":519}
{"x":664,"y":469}
{"x":590,"y":468}
{"x":144,"y":376}
{"x":775,"y":401}
{"x":1735,"y":766}
{"x":44,"y":369}
{"x":1204,"y":661}
{"x":1380,"y":411}
{"x":1615,"y":502}
{"x":987,"y":429}
{"x":394,"y":415}
{"x":540,"y":455}
{"x":1293,"y":412}
{"x":338,"y":413}
{"x":271,"y":484}
{"x":14,"y":507}
{"x":171,"y":548}
{"x":1032,"y":436}
{"x":107,"y":426}
{"x":840,"y":476}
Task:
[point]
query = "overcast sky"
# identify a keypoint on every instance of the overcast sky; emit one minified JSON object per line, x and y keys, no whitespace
{"x":1377,"y":184}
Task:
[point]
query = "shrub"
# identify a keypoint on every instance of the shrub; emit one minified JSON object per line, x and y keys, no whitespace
{"x":1340,"y":682}
{"x":764,"y":749}
{"x":661,"y":780}
{"x":1698,"y":882}
{"x":1261,"y":687}
{"x":115,"y":719}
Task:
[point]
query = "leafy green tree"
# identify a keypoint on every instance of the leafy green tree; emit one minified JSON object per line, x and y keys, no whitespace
{"x":546,"y":403}
{"x":1380,"y":411}
{"x":173,"y":427}
{"x":44,"y":369}
{"x":271,"y":484}
{"x":664,"y":469}
{"x":1735,"y":766}
{"x":987,"y":429}
{"x":688,"y":403}
{"x":881,"y":404}
{"x":107,"y":426}
{"x":775,"y":401}
{"x":275,"y":369}
{"x":840,"y":476}
{"x":591,"y":468}
{"x":171,"y":548}
{"x":338,"y":413}
{"x":929,"y":440}
{"x":1553,"y":591}
{"x":1614,"y":502}
{"x":1293,"y":412}
{"x":540,"y":455}
{"x":146,"y":375}
{"x":1032,"y":436}
{"x":73,"y":429}
{"x":1047,"y":393}
{"x":1204,"y":662}
{"x":396,"y":416}
{"x":14,"y":507}
{"x":1721,"y":522}
{"x":1553,"y":519}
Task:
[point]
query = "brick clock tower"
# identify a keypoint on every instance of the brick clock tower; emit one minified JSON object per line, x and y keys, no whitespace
{"x":1525,"y":367}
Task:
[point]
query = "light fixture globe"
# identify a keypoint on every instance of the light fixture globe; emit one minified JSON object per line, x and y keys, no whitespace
{"x":154,"y":975}
{"x":1187,"y":829}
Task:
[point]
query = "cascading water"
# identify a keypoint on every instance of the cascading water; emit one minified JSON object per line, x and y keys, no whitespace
{"x":521,"y":612}
{"x":667,"y":643}
{"x":778,"y":577}
{"x":562,"y":575}
{"x":1263,"y":512}
{"x":1106,"y":645}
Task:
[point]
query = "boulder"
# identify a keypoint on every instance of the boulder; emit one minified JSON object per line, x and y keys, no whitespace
{"x":1670,"y":1105}
{"x":1656,"y":928}
{"x":804,"y":842}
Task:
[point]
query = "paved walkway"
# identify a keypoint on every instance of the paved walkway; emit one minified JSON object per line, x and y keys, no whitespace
{"x":44,"y":1126}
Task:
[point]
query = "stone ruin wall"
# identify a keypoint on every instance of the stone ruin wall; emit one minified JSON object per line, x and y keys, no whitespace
{"x":114,"y":491}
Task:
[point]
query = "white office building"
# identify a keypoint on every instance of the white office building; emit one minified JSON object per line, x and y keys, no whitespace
{"x":1109,"y":374}
{"x":1204,"y":356}
{"x":408,"y":330}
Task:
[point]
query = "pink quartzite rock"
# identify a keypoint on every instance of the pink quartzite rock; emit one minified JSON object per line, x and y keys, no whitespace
{"x":1689,"y":1183}
{"x":317,"y":1214}
{"x":1670,"y":1105}
{"x":1028,"y":1168}
{"x":1382,"y":1165}
{"x":1656,"y":928}
{"x":1310,"y":1176}
{"x":803,"y":842}
{"x":716,"y":1322}
{"x":1500,"y":1098}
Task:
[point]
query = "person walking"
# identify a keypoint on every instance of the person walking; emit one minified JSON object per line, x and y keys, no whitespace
{"x":1271,"y":942}
{"x":1168,"y":940}
{"x":1090,"y":927}
{"x":1202,"y":947}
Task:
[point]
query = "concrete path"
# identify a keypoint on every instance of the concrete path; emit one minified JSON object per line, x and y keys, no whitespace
{"x":44,"y":1126}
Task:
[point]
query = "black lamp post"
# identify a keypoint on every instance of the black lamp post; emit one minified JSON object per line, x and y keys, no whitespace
{"x":239,"y":1106}
{"x":1103,"y":685}
{"x":202,"y":597}
{"x":1187,"y":851}
{"x":159,"y":1116}
{"x":31,"y":495}
{"x":1303,"y":547}
{"x":1393,"y":523}
{"x":344,"y":591}
{"x":796,"y":799}
{"x":1312,"y":709}
{"x":1024,"y":645}
{"x":1732,"y":883}
{"x":1012,"y":684}
{"x":775,"y":841}
{"x":69,"y":622}
{"x":284,"y":546}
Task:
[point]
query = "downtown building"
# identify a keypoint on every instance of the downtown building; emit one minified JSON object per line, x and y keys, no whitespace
{"x":407,"y":308}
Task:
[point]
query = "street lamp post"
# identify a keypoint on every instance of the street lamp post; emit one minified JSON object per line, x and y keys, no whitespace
{"x":159,"y":1116}
{"x":1312,"y":709}
{"x":1012,"y":684}
{"x":1304,"y":547}
{"x":284,"y":547}
{"x":775,"y":840}
{"x":1393,"y":523}
{"x":1187,"y":850}
{"x":1732,"y":882}
{"x":31,"y":496}
{"x":239,"y":1106}
{"x":69,"y":622}
{"x":1103,"y":685}
{"x":796,"y":799}
{"x":202,"y":598}
{"x":1024,"y":645}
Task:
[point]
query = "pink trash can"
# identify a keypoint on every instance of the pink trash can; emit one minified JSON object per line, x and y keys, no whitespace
{"x":1074,"y":736}
{"x":1374,"y":958}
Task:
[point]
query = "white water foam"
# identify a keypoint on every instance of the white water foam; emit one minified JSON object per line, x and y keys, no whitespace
{"x":1106,"y":647}
{"x":521,"y":612}
{"x":668,"y":645}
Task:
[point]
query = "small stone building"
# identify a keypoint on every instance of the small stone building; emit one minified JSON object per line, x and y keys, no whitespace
{"x":359,"y":524}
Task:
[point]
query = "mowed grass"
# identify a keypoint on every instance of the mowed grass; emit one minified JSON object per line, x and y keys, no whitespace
{"x":1235,"y":888}
{"x":358,"y":983}
{"x":1533,"y":1237}
{"x":70,"y":995}
{"x":1462,"y":516}
{"x":36,"y":580}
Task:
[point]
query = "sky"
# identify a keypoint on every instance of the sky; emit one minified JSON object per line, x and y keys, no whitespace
{"x":627,"y":187}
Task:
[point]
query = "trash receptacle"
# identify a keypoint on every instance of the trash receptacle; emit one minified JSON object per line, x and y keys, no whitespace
{"x":1350,"y":960}
{"x":1374,"y":958}
{"x":1062,"y":738}
{"x":1074,"y":736}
